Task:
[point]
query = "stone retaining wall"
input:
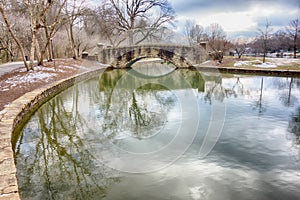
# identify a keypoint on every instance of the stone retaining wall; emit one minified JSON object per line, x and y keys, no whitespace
{"x":14,"y":114}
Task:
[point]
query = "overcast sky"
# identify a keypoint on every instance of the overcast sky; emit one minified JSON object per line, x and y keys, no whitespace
{"x":237,"y":17}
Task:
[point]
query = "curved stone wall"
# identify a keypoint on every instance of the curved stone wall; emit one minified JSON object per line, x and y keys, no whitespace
{"x":13,"y":116}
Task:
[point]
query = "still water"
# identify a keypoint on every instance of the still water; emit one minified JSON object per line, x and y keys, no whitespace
{"x":160,"y":133}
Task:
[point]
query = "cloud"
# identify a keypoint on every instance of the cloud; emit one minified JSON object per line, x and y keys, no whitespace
{"x":229,"y":5}
{"x":237,"y":15}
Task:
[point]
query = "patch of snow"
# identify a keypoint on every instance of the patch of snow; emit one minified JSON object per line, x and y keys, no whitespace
{"x":49,"y":69}
{"x":246,"y":63}
{"x":255,"y":63}
{"x":284,"y":61}
{"x":266,"y":65}
{"x":35,"y":76}
{"x":241,"y":63}
{"x":30,"y":77}
{"x":41,"y":68}
{"x":67,"y":67}
{"x":23,"y":69}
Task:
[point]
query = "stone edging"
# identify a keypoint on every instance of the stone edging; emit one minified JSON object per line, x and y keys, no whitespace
{"x":252,"y":71}
{"x":13,"y":115}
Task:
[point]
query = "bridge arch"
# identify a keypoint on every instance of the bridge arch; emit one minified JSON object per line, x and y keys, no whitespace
{"x":180,"y":56}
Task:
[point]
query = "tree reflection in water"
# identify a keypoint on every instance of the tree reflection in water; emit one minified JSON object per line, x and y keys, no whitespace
{"x":294,"y":128}
{"x":285,"y":86}
{"x":141,"y":110}
{"x":145,"y":116}
{"x":217,"y":91}
{"x":55,"y":163}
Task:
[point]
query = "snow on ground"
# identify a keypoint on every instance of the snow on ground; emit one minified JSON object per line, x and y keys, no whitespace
{"x":30,"y":77}
{"x":242,"y":63}
{"x":39,"y":73}
{"x":255,"y":63}
{"x":266,"y":65}
{"x":284,"y":61}
{"x":49,"y":69}
{"x":271,"y":63}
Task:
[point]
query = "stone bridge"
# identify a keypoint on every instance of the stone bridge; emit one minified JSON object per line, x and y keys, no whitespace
{"x":181,"y":56}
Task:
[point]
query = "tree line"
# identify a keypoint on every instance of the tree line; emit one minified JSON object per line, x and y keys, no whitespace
{"x":30,"y":28}
{"x":266,"y":41}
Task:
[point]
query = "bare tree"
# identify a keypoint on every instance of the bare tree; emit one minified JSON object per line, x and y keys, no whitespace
{"x":217,"y":41}
{"x":103,"y":22}
{"x":51,"y":22}
{"x":280,"y":41}
{"x":293,"y":30}
{"x":37,"y":10}
{"x":143,"y":17}
{"x":74,"y":9}
{"x":6,"y":44}
{"x":240,"y":49}
{"x":15,"y":38}
{"x":194,"y":32}
{"x":264,"y":36}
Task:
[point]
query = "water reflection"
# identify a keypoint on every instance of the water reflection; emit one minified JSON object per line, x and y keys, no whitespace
{"x":294,"y":129}
{"x":63,"y":149}
{"x":53,"y":162}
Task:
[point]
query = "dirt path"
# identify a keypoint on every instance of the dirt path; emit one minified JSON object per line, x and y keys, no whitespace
{"x":16,"y":81}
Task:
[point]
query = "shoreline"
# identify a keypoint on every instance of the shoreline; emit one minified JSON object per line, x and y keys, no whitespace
{"x":253,"y":71}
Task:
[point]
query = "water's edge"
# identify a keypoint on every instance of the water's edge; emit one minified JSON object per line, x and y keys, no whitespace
{"x":14,"y":117}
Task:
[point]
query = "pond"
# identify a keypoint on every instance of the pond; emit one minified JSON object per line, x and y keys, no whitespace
{"x":152,"y":132}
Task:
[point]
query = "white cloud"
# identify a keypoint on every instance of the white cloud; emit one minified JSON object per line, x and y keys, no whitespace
{"x":231,"y":22}
{"x":236,"y":15}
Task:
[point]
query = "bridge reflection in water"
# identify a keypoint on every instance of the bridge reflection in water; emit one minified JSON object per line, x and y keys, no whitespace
{"x":155,"y":75}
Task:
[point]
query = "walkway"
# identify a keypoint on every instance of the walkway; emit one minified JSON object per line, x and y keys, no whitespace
{"x":8,"y":67}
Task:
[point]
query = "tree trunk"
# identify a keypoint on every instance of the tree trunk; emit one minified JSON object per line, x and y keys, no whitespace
{"x":264,"y":58}
{"x":32,"y":50}
{"x":295,"y":44}
{"x":13,"y":36}
{"x":41,"y":59}
{"x":130,"y":33}
{"x":72,"y":41}
{"x":50,"y":56}
{"x":38,"y":52}
{"x":265,"y":50}
{"x":47,"y":46}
